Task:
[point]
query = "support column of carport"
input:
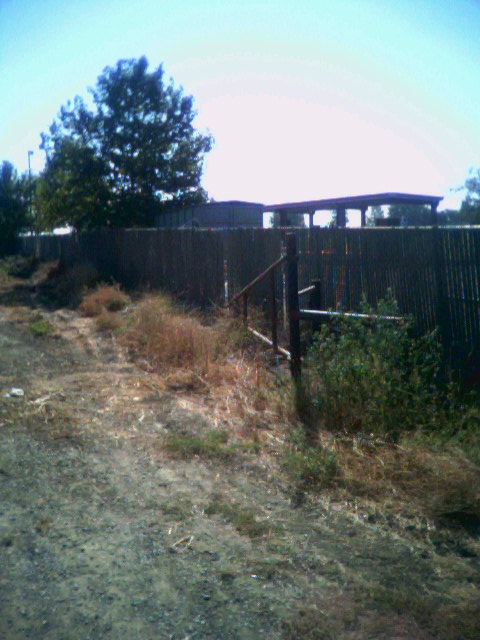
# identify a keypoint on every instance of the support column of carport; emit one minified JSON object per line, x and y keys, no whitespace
{"x":341,"y":217}
{"x":283,"y":213}
{"x":363,"y":222}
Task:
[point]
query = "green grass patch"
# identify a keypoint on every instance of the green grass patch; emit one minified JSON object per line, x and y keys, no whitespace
{"x":41,"y":327}
{"x":242,"y":518}
{"x":214,"y":444}
{"x":309,"y":467}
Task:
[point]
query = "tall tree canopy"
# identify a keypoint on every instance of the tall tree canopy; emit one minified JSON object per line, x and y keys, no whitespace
{"x":135,"y":151}
{"x":470,"y":209}
{"x":13,"y":206}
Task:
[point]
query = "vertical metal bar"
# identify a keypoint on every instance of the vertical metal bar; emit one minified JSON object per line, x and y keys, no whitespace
{"x":225,"y":280}
{"x":293,"y":306}
{"x":284,"y":298}
{"x":273,"y":308}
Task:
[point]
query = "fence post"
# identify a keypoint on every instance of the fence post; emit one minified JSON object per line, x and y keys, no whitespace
{"x":273,"y":312}
{"x":293,"y":306}
{"x":442,"y":316}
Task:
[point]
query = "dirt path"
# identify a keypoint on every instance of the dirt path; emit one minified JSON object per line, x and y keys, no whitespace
{"x":103,"y":536}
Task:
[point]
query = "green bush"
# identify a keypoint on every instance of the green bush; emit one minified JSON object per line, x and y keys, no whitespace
{"x":311,"y":468}
{"x":372,"y":376}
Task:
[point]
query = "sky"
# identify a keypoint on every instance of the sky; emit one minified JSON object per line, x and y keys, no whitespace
{"x":306,"y":99}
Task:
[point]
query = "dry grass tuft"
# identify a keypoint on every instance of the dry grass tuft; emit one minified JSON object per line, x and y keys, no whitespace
{"x":107,"y":321}
{"x":441,"y":486}
{"x":104,"y":299}
{"x":166,"y":338}
{"x":216,"y":360}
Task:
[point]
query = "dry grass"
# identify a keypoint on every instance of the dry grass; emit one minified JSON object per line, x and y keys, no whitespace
{"x":411,"y":478}
{"x":216,"y":361}
{"x":242,"y":518}
{"x":108,"y":321}
{"x":104,"y":299}
{"x":67,"y":286}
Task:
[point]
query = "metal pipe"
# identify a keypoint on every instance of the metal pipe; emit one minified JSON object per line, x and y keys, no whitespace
{"x":306,"y":290}
{"x":311,"y":314}
{"x":263,"y":338}
{"x":258,"y":279}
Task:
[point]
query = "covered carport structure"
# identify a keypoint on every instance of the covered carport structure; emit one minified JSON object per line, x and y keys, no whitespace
{"x":360,"y":203}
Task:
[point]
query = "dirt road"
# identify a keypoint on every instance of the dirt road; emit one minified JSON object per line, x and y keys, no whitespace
{"x":103,"y":536}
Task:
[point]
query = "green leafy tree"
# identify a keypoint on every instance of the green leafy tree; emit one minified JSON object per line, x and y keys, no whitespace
{"x":414,"y":214}
{"x":72,"y":190}
{"x":293,"y":220}
{"x":141,"y":149}
{"x":375,"y":213}
{"x":470,"y":209}
{"x":13,"y":207}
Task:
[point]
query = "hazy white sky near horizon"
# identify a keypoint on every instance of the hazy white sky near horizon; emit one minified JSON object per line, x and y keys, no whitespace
{"x":305,"y":98}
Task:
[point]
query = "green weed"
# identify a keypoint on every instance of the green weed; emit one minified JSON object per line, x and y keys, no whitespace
{"x":371,"y":376}
{"x":214,"y":444}
{"x":310,"y":467}
{"x":242,"y":518}
{"x":41,"y":327}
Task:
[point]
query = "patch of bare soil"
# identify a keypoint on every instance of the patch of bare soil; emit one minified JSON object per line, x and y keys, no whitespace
{"x":102,"y":535}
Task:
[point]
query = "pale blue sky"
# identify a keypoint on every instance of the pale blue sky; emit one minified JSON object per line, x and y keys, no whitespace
{"x":305,"y":98}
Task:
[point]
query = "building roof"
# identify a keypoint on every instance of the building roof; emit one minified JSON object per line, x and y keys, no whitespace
{"x":355,"y":202}
{"x":230,"y":203}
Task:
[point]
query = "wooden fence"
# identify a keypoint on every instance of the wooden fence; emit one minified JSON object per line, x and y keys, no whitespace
{"x":434,"y":273}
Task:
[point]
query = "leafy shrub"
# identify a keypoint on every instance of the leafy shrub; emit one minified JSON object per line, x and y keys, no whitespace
{"x":372,"y":376}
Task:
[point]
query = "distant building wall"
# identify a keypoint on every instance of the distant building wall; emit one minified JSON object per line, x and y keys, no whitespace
{"x":214,"y":215}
